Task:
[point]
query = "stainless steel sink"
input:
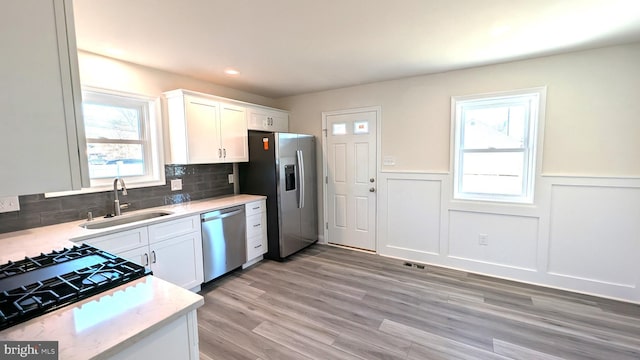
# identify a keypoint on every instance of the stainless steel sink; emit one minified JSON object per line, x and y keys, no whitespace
{"x":124,"y":219}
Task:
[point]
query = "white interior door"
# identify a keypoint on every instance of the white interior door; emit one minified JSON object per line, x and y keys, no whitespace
{"x":351,"y":178}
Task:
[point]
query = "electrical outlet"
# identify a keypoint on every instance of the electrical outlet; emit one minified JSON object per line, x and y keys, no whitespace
{"x":483,"y":239}
{"x":231,"y":179}
{"x":176,"y":184}
{"x":9,"y":203}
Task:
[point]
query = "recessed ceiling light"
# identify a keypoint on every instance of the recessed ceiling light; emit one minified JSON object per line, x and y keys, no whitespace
{"x":232,"y":72}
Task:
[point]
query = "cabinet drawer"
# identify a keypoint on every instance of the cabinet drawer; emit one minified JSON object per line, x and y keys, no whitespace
{"x":256,"y":225}
{"x":171,"y":229}
{"x":255,"y":247}
{"x":122,"y":241}
{"x":255,"y":207}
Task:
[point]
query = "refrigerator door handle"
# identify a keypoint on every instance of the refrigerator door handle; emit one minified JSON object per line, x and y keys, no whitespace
{"x":300,"y":158}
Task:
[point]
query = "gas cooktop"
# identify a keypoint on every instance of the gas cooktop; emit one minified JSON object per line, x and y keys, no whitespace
{"x":36,"y":285}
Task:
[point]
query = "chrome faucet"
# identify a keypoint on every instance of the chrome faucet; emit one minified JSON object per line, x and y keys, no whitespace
{"x":116,"y":202}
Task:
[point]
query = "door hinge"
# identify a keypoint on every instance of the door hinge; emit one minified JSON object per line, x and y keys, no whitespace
{"x":326,"y":179}
{"x":326,"y":225}
{"x":324,"y":131}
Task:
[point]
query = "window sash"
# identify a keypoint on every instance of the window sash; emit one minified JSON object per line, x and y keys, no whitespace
{"x":524,"y":172}
{"x":531,"y":101}
{"x":142,"y":105}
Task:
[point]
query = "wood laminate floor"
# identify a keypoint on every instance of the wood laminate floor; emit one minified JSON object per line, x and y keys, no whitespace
{"x":332,"y":303}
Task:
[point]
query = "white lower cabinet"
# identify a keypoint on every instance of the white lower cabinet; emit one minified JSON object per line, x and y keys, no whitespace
{"x":256,"y":213}
{"x":176,"y":340}
{"x":168,"y":260}
{"x":172,"y":250}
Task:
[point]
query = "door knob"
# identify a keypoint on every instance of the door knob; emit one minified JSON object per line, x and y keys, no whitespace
{"x":372,"y":180}
{"x":372,"y":189}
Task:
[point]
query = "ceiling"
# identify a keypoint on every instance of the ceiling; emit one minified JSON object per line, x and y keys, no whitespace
{"x":289,"y":47}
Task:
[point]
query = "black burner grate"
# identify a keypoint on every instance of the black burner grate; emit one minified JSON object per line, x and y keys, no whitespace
{"x":55,"y":257}
{"x":61,"y":277}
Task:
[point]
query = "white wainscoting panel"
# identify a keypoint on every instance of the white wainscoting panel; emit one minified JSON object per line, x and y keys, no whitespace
{"x":511,"y":241}
{"x":412,"y":218}
{"x":595,"y":234}
{"x":581,"y":234}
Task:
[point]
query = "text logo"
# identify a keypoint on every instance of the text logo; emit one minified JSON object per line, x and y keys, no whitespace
{"x":32,"y":350}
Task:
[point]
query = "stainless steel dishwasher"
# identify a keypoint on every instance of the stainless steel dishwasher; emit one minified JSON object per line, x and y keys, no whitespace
{"x":224,"y":243}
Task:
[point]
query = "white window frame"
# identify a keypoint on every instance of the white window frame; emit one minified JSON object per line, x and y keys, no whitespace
{"x":151,"y":140}
{"x":532,"y":148}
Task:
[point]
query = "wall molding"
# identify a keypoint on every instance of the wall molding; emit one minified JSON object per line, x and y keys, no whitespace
{"x":556,"y":252}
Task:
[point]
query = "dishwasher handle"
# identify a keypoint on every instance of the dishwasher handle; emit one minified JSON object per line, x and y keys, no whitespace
{"x":220,"y":216}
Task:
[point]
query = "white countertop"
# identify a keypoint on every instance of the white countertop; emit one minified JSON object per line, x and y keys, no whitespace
{"x":16,"y":245}
{"x":104,"y":324}
{"x":107,"y":322}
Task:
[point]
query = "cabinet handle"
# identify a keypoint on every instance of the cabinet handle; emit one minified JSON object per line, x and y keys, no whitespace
{"x":153,"y":253}
{"x":257,"y":246}
{"x":257,"y":225}
{"x":219,"y":153}
{"x":146,"y":259}
{"x":255,"y":208}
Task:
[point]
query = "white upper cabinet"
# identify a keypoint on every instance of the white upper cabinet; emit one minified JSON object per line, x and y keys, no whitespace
{"x":40,"y":106}
{"x":203,"y":130}
{"x":233,"y":133}
{"x":267,"y":119}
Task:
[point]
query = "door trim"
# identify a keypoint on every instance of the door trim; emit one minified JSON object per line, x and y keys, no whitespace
{"x":325,"y":171}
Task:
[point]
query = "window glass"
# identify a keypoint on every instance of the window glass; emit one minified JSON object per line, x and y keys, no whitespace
{"x":500,"y":127}
{"x":112,"y":122}
{"x":115,"y":160}
{"x":360,"y":127}
{"x":339,"y":129}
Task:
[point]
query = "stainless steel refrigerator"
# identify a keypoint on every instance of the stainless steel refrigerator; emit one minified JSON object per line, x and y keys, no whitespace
{"x":282,"y":166}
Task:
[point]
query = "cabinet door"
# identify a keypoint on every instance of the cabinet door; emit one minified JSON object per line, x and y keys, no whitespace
{"x":279,"y":122}
{"x":233,"y":132}
{"x":256,"y":120}
{"x":139,"y":256}
{"x":178,"y":260}
{"x":41,"y":99}
{"x":266,"y":120}
{"x":202,"y":133}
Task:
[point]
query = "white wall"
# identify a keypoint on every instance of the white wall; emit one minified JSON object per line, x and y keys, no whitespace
{"x":583,"y":231}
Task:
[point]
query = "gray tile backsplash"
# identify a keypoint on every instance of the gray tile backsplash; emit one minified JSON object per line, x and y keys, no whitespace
{"x":198,"y":182}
